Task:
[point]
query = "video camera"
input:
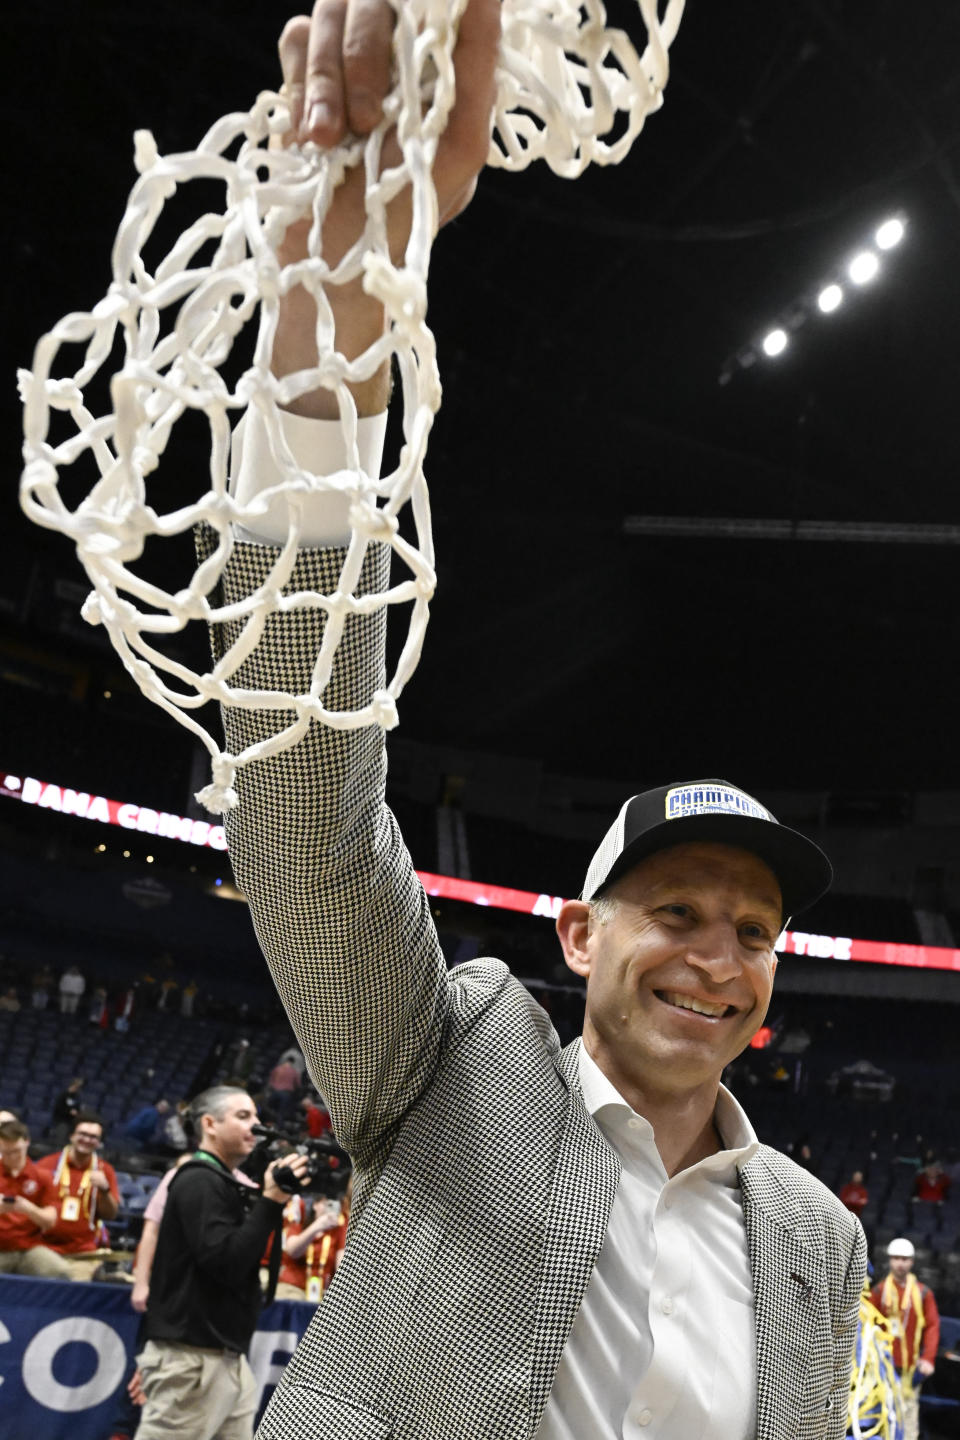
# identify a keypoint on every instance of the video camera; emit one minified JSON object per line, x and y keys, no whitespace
{"x":328,"y":1167}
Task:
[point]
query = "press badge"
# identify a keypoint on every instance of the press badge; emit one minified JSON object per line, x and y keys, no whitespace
{"x":70,"y":1209}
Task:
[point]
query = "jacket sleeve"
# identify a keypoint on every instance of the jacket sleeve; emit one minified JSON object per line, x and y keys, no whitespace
{"x":845,"y":1332}
{"x":339,"y":912}
{"x":930,"y":1339}
{"x":225,"y":1251}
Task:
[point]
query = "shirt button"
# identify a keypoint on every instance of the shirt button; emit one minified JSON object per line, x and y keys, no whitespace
{"x":644,"y":1417}
{"x":634,"y":1124}
{"x":666,"y":1305}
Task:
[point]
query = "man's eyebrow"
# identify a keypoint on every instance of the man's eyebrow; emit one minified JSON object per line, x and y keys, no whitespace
{"x":748,"y":899}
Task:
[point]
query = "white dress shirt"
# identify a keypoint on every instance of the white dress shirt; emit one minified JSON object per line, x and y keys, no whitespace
{"x":664,"y":1344}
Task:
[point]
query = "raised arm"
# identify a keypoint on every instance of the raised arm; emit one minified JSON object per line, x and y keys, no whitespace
{"x":336,"y":71}
{"x":340,"y":915}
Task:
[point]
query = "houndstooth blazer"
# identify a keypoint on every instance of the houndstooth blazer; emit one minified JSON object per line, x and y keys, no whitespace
{"x":482,"y":1185}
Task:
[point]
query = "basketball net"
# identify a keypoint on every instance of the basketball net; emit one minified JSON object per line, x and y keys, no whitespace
{"x":569,"y":91}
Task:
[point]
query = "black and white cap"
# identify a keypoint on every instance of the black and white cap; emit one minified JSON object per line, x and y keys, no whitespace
{"x":711,"y":810}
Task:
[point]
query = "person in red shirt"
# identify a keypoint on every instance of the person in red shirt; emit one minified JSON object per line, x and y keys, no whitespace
{"x":315,"y":1116}
{"x":932,"y":1184}
{"x":914,"y":1321}
{"x":855,"y":1194}
{"x":27,"y":1209}
{"x":87,"y":1195}
{"x":310,"y":1247}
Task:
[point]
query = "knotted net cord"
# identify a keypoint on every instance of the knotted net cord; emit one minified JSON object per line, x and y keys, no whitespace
{"x":569,"y":90}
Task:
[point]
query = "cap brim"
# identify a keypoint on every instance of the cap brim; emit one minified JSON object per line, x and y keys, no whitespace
{"x":802,"y":869}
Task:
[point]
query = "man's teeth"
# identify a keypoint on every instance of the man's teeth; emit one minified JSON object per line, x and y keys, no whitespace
{"x":686,"y":1002}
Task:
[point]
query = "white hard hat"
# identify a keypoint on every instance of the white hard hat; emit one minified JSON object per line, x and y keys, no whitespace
{"x":901,"y":1247}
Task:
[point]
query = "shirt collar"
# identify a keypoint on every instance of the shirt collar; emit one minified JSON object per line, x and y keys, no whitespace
{"x":738,"y":1135}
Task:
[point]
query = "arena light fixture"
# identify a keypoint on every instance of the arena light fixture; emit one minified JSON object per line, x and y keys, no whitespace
{"x":863,"y":268}
{"x":824,"y":297}
{"x":829,"y":298}
{"x":890,"y":233}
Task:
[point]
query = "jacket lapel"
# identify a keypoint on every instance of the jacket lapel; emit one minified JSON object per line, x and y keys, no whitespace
{"x":789,"y":1283}
{"x":585,"y":1178}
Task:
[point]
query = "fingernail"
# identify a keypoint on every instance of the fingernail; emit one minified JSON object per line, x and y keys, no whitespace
{"x":320,"y":116}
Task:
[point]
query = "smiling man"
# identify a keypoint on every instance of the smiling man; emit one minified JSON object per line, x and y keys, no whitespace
{"x":87,"y":1194}
{"x":585,"y":1243}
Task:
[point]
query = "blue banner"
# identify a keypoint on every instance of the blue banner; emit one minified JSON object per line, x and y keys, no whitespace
{"x":67,"y":1352}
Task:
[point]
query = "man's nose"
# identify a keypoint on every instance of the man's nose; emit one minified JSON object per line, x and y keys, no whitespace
{"x":715,"y":950}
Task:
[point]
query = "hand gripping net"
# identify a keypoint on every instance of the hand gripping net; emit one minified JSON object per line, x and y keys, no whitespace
{"x":569,"y":90}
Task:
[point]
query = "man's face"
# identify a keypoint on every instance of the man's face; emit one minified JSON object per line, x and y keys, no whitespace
{"x":680,"y":976}
{"x":13,"y":1155}
{"x":233,"y":1136}
{"x":86,"y":1140}
{"x":900,"y":1267}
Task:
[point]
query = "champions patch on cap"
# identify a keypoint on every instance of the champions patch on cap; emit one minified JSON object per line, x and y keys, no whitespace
{"x":684,"y":800}
{"x":714,"y":812}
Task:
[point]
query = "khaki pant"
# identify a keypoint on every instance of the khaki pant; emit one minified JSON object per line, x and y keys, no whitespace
{"x":911,"y":1414}
{"x":82,"y":1263}
{"x":195,"y":1394}
{"x":38,"y":1260}
{"x":286,"y":1291}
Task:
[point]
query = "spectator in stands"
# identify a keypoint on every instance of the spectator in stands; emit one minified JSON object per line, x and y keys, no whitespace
{"x":803,"y":1155}
{"x":854,"y":1194}
{"x":72,"y":986}
{"x":9,"y":1000}
{"x":41,"y":983}
{"x":124,"y":1007}
{"x":87,"y":1195}
{"x":932,"y":1184}
{"x":316,"y":1118}
{"x":187,"y":997}
{"x":239,"y":1059}
{"x":283,"y":1088}
{"x":145,"y":1129}
{"x":915,"y":1325}
{"x":295,"y":1057}
{"x":66,"y":1108}
{"x":28,"y":1209}
{"x":174,"y":1128}
{"x":98,"y":1014}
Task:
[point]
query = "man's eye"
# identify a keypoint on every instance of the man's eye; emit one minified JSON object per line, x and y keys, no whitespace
{"x":755,"y":932}
{"x":677,"y":909}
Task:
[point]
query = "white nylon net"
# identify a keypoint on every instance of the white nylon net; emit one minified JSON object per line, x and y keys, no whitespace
{"x":570,"y":91}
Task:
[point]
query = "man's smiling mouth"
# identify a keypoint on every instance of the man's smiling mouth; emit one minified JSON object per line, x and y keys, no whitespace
{"x":697,"y":1007}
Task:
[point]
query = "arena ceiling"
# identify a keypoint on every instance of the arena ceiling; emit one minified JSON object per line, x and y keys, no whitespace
{"x":583,"y":331}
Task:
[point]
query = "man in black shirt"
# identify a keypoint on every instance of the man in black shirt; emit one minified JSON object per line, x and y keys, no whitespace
{"x":205,"y":1286}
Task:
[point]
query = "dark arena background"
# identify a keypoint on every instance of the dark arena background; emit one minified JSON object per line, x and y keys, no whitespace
{"x":663,"y":553}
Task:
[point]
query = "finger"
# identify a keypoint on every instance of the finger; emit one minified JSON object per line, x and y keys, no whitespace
{"x":367,"y":62}
{"x":466,"y":139}
{"x":293,"y":66}
{"x":325,"y":116}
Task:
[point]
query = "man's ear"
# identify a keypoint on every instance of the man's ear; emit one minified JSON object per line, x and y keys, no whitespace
{"x":573,"y":929}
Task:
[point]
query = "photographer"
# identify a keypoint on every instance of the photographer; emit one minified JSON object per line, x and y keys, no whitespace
{"x":205,"y":1290}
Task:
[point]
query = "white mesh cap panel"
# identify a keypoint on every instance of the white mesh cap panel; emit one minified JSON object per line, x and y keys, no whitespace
{"x":608,"y":852}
